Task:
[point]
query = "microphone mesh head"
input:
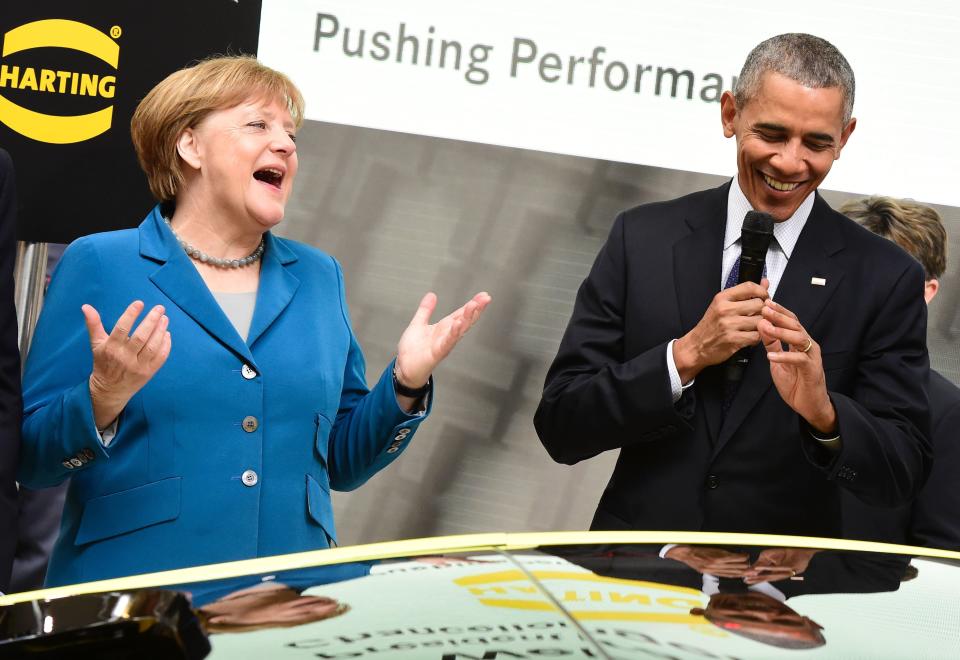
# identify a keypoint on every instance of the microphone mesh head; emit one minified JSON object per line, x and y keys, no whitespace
{"x":755,"y":238}
{"x":758,"y":222}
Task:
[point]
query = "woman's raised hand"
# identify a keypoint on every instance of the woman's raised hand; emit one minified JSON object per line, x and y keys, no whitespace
{"x":124,"y":362}
{"x":424,"y":345}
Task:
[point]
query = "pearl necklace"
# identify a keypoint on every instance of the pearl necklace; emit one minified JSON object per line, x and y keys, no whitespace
{"x":199,"y":255}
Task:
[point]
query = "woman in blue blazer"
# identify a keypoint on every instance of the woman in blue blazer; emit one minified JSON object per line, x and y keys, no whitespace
{"x":213,"y":429}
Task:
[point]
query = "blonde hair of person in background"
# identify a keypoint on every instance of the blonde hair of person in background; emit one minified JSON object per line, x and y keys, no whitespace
{"x":915,"y":227}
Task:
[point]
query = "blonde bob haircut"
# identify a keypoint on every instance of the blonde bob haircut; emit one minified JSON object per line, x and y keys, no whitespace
{"x":184,"y":98}
{"x":915,"y":227}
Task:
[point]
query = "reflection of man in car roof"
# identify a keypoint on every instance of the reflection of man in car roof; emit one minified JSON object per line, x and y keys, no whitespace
{"x":763,"y":619}
{"x":822,"y":572}
{"x":748,"y":586}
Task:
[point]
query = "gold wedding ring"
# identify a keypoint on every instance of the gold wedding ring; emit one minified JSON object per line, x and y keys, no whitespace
{"x":809,"y":345}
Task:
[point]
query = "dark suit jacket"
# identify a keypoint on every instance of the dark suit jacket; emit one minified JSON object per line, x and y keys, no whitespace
{"x":608,"y":387}
{"x":936,"y":513}
{"x":10,"y":403}
{"x":933,"y":519}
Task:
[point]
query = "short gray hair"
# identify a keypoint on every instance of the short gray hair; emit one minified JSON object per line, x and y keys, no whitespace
{"x":804,"y":58}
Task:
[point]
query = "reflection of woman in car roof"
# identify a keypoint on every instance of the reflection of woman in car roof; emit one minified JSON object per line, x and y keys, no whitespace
{"x":268,"y":605}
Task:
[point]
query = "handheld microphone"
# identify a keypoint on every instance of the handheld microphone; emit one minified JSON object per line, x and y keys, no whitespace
{"x":755,"y":237}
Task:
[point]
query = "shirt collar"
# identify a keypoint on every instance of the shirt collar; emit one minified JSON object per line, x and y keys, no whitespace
{"x":711,"y":586}
{"x":786,"y":232}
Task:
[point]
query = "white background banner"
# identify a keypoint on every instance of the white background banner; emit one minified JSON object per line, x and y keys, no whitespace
{"x":631,"y":81}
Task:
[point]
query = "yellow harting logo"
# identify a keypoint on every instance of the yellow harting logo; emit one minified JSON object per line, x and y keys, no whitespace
{"x":58,"y":33}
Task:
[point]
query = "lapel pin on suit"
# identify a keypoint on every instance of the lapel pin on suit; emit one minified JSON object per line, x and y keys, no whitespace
{"x":818,"y":281}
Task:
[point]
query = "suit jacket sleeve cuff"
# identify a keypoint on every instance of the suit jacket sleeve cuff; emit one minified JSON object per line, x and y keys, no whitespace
{"x":676,"y":387}
{"x":66,"y":439}
{"x":426,"y":403}
{"x":879,"y":461}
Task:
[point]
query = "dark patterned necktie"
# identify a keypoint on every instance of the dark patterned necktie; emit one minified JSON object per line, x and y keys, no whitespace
{"x":735,"y":274}
{"x":735,"y":271}
{"x":730,"y":388}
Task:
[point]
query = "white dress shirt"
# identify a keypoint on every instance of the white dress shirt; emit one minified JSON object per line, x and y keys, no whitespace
{"x":785,"y":235}
{"x":710,"y":584}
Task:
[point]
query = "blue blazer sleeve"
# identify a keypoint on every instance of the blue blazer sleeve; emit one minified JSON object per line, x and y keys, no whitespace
{"x":371,"y":429}
{"x":59,"y":434}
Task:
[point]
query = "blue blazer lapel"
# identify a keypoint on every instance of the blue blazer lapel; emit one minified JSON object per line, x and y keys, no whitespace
{"x":179,"y":280}
{"x":277,"y":287}
{"x":820,"y":240}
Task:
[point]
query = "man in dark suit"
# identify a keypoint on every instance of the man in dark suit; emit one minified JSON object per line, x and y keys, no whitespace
{"x":933,"y":520}
{"x":11,"y":405}
{"x":832,"y":397}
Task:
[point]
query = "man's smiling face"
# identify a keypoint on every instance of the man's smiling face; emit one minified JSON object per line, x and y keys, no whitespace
{"x":788,"y":136}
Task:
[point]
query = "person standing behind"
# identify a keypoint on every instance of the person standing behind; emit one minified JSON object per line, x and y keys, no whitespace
{"x":934,"y":517}
{"x":10,"y":403}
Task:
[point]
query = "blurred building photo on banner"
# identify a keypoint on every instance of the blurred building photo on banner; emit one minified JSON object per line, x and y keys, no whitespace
{"x":518,"y":168}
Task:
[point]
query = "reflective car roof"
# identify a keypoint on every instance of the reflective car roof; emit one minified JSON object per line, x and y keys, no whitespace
{"x":593,"y":595}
